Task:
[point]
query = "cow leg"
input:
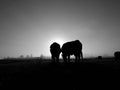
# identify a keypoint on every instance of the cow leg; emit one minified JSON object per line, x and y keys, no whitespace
{"x":75,"y":58}
{"x":81,"y":55}
{"x":78,"y":60}
{"x":57,"y":59}
{"x":64,"y":58}
{"x":68,"y":58}
{"x":53,"y":58}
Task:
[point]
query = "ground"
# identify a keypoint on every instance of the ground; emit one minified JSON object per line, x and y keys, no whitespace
{"x":42,"y":74}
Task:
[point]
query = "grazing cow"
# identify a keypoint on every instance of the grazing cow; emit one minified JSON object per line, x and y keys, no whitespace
{"x":72,"y":48}
{"x":55,"y":51}
{"x":100,"y":57}
{"x":117,"y":55}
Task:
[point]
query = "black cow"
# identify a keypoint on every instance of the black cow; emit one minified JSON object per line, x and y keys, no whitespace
{"x":72,"y":48}
{"x":117,"y":55}
{"x":100,"y":57}
{"x":55,"y":51}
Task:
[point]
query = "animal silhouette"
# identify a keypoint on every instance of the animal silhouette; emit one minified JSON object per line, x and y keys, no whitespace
{"x":72,"y":48}
{"x":55,"y":51}
{"x":100,"y":57}
{"x":117,"y":55}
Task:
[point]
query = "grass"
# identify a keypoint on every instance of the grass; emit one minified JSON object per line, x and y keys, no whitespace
{"x":40,"y":73}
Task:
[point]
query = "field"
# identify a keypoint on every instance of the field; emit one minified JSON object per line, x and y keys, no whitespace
{"x":42,"y":74}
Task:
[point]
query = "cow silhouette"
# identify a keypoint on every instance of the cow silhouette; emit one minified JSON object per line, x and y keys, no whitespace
{"x":100,"y":57}
{"x":117,"y":55}
{"x":72,"y":48}
{"x":55,"y":51}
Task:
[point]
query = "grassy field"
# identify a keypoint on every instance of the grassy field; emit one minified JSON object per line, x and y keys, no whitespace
{"x":42,"y":74}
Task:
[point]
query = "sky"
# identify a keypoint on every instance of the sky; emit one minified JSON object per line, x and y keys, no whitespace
{"x":30,"y":26}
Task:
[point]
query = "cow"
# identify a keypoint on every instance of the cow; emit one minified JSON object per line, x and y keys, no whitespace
{"x":72,"y":48}
{"x":55,"y":51}
{"x":100,"y":57}
{"x":117,"y":55}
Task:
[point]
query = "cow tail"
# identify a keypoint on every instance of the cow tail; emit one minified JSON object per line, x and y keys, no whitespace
{"x":81,"y":55}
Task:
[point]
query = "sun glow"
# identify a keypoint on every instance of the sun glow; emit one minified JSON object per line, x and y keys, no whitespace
{"x":59,"y":41}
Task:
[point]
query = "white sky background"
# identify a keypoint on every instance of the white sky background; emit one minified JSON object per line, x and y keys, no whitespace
{"x":30,"y":26}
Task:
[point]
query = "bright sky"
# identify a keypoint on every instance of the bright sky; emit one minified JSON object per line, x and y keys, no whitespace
{"x":30,"y":26}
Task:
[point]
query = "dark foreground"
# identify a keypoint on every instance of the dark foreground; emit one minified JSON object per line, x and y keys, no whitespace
{"x":34,"y":74}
